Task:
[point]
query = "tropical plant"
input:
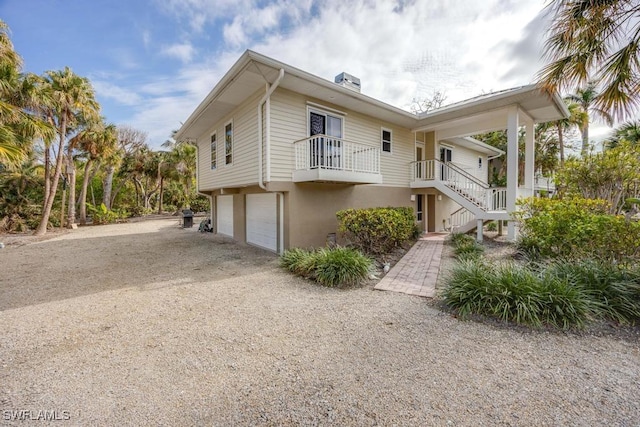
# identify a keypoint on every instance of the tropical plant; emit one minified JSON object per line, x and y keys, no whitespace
{"x":597,"y":42}
{"x":576,"y":228}
{"x":18,"y":100}
{"x":626,"y":132}
{"x":96,"y":142}
{"x":331,"y":267}
{"x":612,"y":175}
{"x":71,"y":98}
{"x":586,"y":98}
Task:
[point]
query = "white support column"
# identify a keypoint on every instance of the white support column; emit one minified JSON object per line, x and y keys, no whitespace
{"x":529,"y":158}
{"x":479,"y":231}
{"x":512,"y":167}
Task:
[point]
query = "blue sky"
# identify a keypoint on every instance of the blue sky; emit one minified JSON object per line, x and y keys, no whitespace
{"x":153,"y":61}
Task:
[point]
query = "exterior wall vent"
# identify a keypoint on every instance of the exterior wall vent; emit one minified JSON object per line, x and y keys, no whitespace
{"x":348,"y":81}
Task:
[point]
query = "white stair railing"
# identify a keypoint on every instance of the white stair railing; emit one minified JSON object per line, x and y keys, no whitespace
{"x":459,"y":218}
{"x":466,"y":185}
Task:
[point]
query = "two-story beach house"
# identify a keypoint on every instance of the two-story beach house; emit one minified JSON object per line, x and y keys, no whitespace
{"x":280,"y":151}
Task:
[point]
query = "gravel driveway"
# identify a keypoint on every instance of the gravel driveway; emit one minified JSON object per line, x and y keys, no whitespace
{"x":149,"y":324}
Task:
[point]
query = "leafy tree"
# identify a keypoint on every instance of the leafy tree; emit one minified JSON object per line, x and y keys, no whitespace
{"x":612,"y":175}
{"x":597,"y":42}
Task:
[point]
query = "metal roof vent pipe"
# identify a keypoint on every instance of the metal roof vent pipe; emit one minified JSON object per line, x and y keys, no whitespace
{"x":348,"y":81}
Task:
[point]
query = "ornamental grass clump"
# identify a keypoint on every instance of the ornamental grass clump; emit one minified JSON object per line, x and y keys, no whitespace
{"x":613,"y":290}
{"x":517,"y":294}
{"x":465,"y":247}
{"x":332,"y":267}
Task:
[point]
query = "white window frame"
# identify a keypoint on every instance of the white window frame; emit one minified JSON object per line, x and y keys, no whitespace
{"x":325,"y":112}
{"x":382,"y":141}
{"x":225,"y":143}
{"x":213,"y":165}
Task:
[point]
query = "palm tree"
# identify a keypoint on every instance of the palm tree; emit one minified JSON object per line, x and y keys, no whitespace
{"x":97,"y":142}
{"x":586,"y":99}
{"x":599,"y":42}
{"x":71,"y":97}
{"x":562,"y":127}
{"x":629,"y":132}
{"x":129,"y":141}
{"x":18,"y":126}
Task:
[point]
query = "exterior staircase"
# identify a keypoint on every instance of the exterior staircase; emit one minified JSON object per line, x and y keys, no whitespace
{"x":481,"y":200}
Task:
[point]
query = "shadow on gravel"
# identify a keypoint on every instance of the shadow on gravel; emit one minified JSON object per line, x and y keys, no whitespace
{"x":67,"y":268}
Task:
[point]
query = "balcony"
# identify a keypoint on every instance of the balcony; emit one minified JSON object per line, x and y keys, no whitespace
{"x":322,"y":158}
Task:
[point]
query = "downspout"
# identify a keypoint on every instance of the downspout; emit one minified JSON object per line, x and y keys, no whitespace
{"x":267,"y":142}
{"x":208,"y":196}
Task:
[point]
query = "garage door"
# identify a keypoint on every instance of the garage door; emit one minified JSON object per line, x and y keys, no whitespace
{"x":262,"y":221}
{"x":224,"y":222}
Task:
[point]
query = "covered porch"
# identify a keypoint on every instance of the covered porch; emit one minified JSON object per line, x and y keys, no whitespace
{"x":510,"y":110}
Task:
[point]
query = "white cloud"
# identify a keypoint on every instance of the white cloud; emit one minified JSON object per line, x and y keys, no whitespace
{"x":182,"y":51}
{"x":122,"y":95}
{"x":401,"y":49}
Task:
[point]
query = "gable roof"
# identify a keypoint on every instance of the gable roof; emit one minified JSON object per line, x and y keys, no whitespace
{"x":253,"y":71}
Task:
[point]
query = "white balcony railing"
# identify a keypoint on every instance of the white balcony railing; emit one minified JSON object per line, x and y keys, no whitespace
{"x":327,"y":152}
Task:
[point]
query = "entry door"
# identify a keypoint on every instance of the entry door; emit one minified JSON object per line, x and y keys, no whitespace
{"x":326,"y":151}
{"x":431,"y":213}
{"x":446,"y":154}
{"x":419,"y":157}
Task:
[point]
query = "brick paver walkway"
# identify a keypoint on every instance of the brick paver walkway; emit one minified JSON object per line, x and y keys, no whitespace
{"x":416,"y":273}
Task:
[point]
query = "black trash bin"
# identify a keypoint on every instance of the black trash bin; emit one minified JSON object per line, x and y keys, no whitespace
{"x":187,"y":218}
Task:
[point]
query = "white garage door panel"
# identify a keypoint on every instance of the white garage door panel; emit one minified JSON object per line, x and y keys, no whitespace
{"x":225,"y":215}
{"x":262,"y":220}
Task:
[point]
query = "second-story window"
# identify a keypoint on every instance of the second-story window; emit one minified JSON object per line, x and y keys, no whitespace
{"x":228,"y":143}
{"x":386,"y":141}
{"x":214,"y":151}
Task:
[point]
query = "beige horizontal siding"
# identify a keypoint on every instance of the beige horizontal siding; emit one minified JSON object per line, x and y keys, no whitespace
{"x":289,"y":124}
{"x":244,"y":167}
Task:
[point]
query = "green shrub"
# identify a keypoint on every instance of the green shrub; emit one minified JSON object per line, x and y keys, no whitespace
{"x":332,"y":267}
{"x":516,"y":294}
{"x":492,"y":226}
{"x":101,"y":214}
{"x":575,"y":229}
{"x":377,"y":230}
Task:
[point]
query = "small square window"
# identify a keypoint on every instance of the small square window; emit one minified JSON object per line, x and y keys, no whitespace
{"x":386,"y":140}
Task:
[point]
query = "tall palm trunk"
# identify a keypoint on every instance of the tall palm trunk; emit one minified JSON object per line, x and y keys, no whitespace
{"x":83,"y":192}
{"x":48,"y":201}
{"x":71,"y":173}
{"x":107,"y":185}
{"x":584,"y":130}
